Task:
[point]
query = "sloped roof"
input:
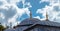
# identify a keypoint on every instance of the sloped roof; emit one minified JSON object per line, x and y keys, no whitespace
{"x":29,"y":21}
{"x":45,"y":23}
{"x":49,"y":23}
{"x":21,"y":28}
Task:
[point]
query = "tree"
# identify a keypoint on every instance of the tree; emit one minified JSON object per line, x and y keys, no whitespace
{"x":2,"y":28}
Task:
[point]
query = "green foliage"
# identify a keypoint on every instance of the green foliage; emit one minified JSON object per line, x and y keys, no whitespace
{"x":2,"y":28}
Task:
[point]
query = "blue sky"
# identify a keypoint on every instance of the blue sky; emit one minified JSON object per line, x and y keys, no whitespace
{"x":15,"y":11}
{"x":35,"y":5}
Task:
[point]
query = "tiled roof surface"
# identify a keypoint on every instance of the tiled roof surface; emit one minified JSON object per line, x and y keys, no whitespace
{"x":28,"y":21}
{"x":49,"y":23}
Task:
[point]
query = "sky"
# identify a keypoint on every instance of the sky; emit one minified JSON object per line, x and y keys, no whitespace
{"x":15,"y":11}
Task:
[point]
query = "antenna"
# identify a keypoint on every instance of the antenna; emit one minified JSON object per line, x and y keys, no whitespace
{"x":46,"y":16}
{"x":30,"y":15}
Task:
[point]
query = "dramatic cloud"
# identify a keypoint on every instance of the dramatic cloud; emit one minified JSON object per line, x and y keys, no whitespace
{"x":10,"y":11}
{"x":13,"y":11}
{"x":53,"y":10}
{"x":7,"y":13}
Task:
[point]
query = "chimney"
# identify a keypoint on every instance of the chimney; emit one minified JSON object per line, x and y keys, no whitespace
{"x":30,"y":15}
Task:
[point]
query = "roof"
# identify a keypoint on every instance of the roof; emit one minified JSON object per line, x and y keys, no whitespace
{"x":34,"y":22}
{"x":49,"y":23}
{"x":21,"y":28}
{"x":37,"y":21}
{"x":45,"y":23}
{"x":29,"y":21}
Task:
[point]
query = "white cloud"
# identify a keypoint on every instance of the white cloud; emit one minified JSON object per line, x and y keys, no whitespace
{"x":13,"y":20}
{"x":50,"y":1}
{"x":2,"y":16}
{"x":22,"y":11}
{"x":10,"y":6}
{"x":12,"y":1}
{"x":39,"y":18}
{"x":53,"y":10}
{"x":28,"y":4}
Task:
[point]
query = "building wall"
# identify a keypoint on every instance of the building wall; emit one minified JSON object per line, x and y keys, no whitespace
{"x":44,"y":28}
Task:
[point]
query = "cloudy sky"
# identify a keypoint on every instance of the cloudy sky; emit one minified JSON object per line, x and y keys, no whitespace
{"x":14,"y":11}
